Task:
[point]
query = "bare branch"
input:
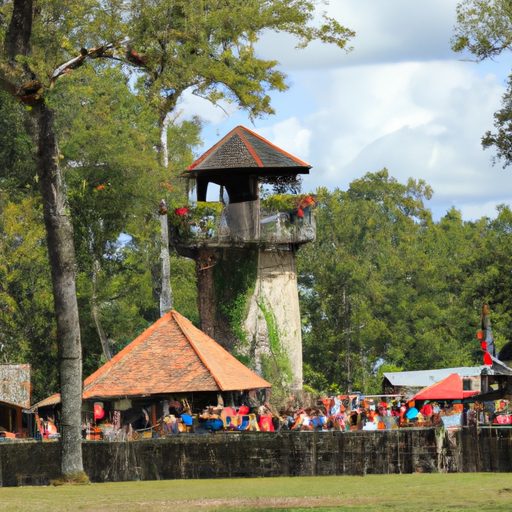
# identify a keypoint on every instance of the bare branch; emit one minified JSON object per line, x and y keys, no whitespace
{"x":105,"y":51}
{"x":73,"y":63}
{"x":214,"y":103}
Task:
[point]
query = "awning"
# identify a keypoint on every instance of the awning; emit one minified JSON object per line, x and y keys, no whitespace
{"x":450,"y":388}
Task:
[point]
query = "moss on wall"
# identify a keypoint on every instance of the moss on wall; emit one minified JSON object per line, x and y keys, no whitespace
{"x":276,"y":365}
{"x":235,"y":279}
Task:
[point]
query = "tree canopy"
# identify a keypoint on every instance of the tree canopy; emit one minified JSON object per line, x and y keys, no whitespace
{"x":385,"y":288}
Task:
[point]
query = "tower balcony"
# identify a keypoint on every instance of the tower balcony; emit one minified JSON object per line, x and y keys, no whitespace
{"x":259,"y":223}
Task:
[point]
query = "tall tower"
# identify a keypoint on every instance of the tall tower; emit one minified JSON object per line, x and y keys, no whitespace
{"x":244,"y":246}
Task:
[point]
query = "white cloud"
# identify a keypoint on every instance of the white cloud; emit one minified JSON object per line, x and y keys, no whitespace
{"x":474,"y":211}
{"x":418,"y":120}
{"x":390,"y":31}
{"x":191,"y":105}
{"x":289,"y":135}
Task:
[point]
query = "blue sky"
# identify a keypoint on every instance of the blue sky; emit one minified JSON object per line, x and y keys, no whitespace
{"x":401,"y":99}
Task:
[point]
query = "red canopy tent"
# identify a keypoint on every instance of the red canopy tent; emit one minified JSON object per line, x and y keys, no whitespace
{"x":450,"y":388}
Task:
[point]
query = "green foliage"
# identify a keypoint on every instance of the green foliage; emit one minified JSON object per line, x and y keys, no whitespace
{"x":17,"y":170}
{"x":27,"y":326}
{"x":317,"y":381}
{"x":384,"y":285}
{"x":234,"y":286}
{"x":281,"y":202}
{"x":181,"y":139}
{"x":484,"y":27}
{"x":201,"y":220}
{"x":276,"y":367}
{"x":501,"y":139}
{"x":204,"y":208}
{"x":209,"y":47}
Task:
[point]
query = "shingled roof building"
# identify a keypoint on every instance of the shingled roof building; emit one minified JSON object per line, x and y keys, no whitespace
{"x":251,"y":157}
{"x":171,"y":359}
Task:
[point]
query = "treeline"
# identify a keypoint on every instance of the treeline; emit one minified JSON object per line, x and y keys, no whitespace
{"x":385,"y":288}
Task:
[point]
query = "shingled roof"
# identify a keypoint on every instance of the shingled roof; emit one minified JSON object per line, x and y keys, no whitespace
{"x":242,"y":148}
{"x":170,"y":356}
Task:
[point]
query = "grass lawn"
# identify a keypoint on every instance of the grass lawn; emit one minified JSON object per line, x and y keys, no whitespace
{"x":418,"y":492}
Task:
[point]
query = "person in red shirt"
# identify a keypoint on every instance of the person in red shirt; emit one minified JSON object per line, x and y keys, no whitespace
{"x":426,"y":410}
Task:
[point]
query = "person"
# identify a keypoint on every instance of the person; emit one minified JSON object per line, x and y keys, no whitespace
{"x":412,"y":412}
{"x":304,"y":207}
{"x":427,"y":410}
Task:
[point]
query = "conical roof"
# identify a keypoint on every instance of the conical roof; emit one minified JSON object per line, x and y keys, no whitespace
{"x":242,"y":148}
{"x":170,"y":356}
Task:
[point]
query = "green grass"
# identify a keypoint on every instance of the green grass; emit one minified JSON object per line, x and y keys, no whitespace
{"x":432,"y":492}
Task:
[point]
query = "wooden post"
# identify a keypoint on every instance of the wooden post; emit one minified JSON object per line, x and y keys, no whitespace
{"x":153,"y":415}
{"x":19,"y":423}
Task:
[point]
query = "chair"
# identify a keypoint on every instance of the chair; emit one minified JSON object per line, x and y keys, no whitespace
{"x":213,"y":424}
{"x":229,"y":418}
{"x":253,"y":423}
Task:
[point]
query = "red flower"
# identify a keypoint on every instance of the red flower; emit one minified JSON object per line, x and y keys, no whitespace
{"x":181,"y":211}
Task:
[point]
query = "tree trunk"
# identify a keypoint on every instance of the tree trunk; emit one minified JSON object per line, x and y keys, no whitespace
{"x":105,"y":344}
{"x":206,"y":301}
{"x":165,"y":258}
{"x":17,"y":41}
{"x":61,"y":251}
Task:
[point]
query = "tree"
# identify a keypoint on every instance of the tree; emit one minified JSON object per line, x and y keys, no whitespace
{"x":107,"y":138}
{"x":484,"y":28}
{"x":20,"y":79}
{"x":173,"y":45}
{"x":27,"y":324}
{"x":384,"y":286}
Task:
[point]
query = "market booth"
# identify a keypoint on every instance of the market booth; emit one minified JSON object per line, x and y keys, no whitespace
{"x":450,"y":388}
{"x":165,"y":377}
{"x":448,"y":391}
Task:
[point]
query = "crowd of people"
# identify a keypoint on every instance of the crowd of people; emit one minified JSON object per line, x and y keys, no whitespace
{"x":341,"y":413}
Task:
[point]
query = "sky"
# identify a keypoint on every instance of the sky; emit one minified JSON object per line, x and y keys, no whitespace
{"x":401,"y":99}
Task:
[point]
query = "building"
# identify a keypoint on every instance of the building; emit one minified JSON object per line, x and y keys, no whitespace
{"x":14,"y":397}
{"x":244,"y":246}
{"x":409,"y":383}
{"x":171,"y":361}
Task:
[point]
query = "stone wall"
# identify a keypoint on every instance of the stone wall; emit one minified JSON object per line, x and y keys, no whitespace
{"x":260,"y":454}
